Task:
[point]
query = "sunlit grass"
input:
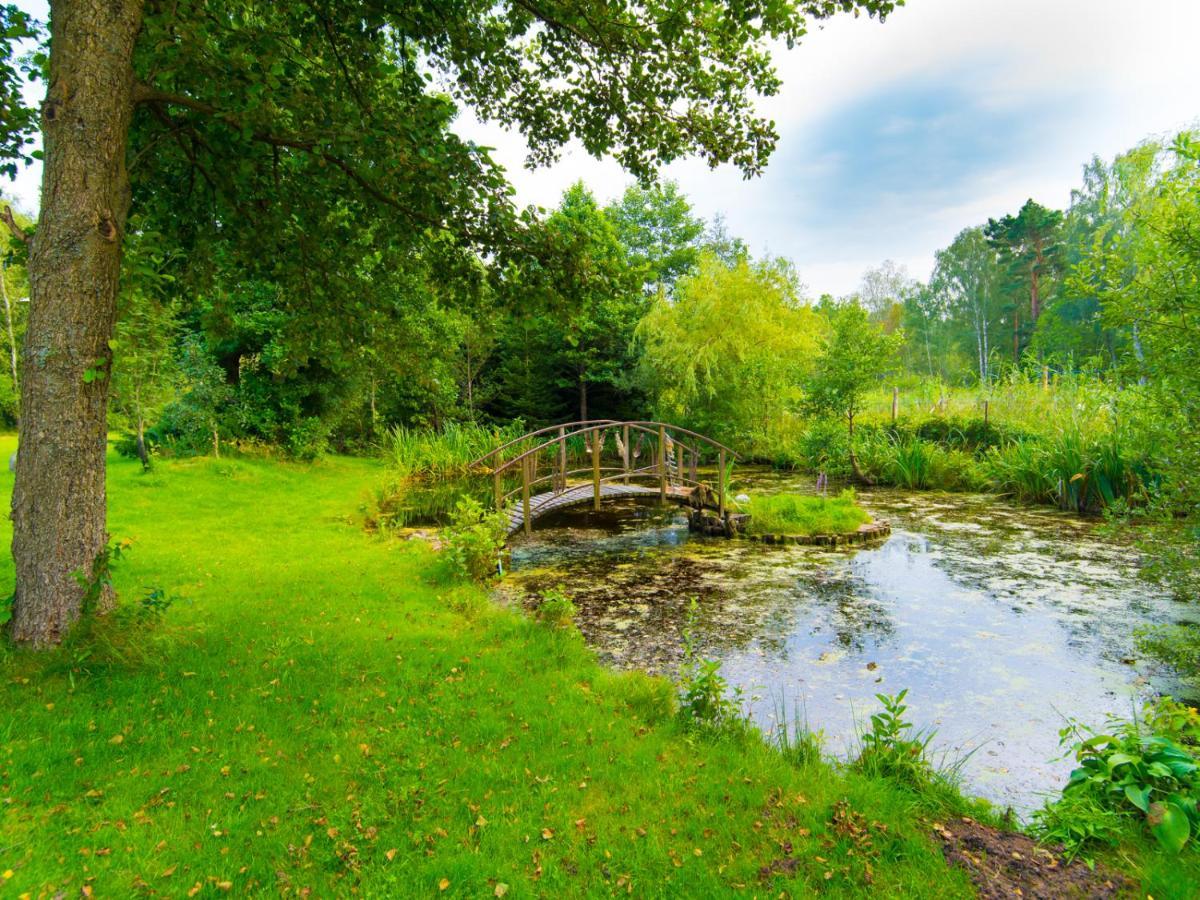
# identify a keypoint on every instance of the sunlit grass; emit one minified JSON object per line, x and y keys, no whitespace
{"x":803,"y":514}
{"x":319,"y":709}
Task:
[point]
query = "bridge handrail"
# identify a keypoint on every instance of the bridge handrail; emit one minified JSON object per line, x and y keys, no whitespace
{"x":651,"y":428}
{"x":531,"y":434}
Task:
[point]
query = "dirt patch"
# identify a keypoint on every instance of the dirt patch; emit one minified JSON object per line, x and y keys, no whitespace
{"x":1004,"y":864}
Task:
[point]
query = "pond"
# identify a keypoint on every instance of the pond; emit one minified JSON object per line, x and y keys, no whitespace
{"x":1001,"y":620}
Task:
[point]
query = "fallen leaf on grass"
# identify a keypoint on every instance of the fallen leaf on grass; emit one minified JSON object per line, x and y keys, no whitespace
{"x":501,"y":890}
{"x":443,"y":884}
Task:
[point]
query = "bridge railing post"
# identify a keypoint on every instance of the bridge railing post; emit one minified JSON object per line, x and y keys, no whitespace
{"x":721,"y":486}
{"x":528,"y":522}
{"x":497,"y":493}
{"x":625,"y":453}
{"x":562,"y":458}
{"x":662,"y":464}
{"x":597,"y":437}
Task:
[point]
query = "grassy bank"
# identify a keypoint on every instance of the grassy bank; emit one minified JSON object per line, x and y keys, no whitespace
{"x":318,"y":710}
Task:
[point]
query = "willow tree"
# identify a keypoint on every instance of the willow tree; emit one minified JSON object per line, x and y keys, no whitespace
{"x":355,"y":93}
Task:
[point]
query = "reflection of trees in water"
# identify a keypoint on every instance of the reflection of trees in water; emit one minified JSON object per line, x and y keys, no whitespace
{"x":636,"y":608}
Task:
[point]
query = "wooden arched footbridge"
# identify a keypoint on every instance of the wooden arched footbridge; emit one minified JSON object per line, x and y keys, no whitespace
{"x":539,"y":472}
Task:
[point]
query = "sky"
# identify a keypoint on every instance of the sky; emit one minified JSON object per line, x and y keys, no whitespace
{"x":896,"y":136}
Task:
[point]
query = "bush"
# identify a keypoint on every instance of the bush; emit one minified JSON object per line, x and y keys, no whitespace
{"x":308,"y":439}
{"x":474,"y":540}
{"x":556,"y":609}
{"x":705,"y":700}
{"x":1135,"y":769}
{"x":891,"y":749}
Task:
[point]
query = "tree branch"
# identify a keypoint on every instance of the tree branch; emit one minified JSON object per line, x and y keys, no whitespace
{"x":17,"y":231}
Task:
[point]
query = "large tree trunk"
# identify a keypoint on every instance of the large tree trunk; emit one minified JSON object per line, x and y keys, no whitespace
{"x":583,"y":406}
{"x":58,"y":505}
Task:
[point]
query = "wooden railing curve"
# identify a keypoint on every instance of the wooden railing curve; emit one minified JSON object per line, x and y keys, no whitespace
{"x":662,"y":435}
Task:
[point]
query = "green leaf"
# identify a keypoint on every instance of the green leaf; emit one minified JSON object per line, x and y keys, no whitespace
{"x":1138,"y":796}
{"x":1169,"y":825}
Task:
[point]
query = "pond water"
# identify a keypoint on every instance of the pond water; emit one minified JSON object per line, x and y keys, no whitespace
{"x":1000,"y":620}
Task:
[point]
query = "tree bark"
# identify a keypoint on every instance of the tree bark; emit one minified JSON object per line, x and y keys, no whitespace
{"x":59,"y":501}
{"x":12,"y":335}
{"x":583,"y":406}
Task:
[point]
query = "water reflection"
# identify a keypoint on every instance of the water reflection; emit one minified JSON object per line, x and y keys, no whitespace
{"x":999,"y":619}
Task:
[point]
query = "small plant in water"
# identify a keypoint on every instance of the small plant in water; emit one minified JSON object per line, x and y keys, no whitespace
{"x":556,"y":609}
{"x":704,"y":695}
{"x":891,"y":748}
{"x":474,"y":540}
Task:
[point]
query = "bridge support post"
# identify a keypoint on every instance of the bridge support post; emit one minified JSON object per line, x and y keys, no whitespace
{"x":625,"y":453}
{"x":527,"y":521}
{"x":721,"y":486}
{"x":562,"y":458}
{"x":597,"y":436}
{"x":496,"y":489}
{"x":662,"y":464}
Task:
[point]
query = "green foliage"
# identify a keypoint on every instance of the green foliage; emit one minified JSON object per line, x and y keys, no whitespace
{"x":726,"y":354}
{"x":802,"y":514}
{"x":891,"y":749}
{"x":659,"y":231}
{"x":705,"y":699}
{"x":1145,"y":769}
{"x":1177,"y":646}
{"x":474,"y":540}
{"x":855,"y":355}
{"x":555,"y":609}
{"x":445,"y":453}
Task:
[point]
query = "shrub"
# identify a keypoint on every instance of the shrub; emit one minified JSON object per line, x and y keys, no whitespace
{"x":474,"y":540}
{"x":308,"y":439}
{"x":1145,"y":769}
{"x":556,"y":609}
{"x":891,"y":749}
{"x":705,"y":700}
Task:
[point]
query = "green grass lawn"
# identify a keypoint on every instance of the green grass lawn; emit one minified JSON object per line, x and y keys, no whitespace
{"x":803,"y":514}
{"x":320,"y":711}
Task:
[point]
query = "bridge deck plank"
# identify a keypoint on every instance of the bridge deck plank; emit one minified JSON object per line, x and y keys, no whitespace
{"x":544,"y":504}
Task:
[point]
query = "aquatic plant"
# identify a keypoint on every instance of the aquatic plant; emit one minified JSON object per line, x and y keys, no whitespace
{"x":803,"y":514}
{"x":445,"y":452}
{"x":556,"y":609}
{"x":891,"y":748}
{"x":705,"y":698}
{"x":795,"y":738}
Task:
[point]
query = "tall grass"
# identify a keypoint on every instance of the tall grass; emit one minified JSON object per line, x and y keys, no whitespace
{"x":802,"y":514}
{"x":445,"y":453}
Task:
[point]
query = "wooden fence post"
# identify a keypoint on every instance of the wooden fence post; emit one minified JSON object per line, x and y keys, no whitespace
{"x":662,"y":464}
{"x":597,"y":437}
{"x":721,"y":486}
{"x":895,"y":404}
{"x":528,"y":522}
